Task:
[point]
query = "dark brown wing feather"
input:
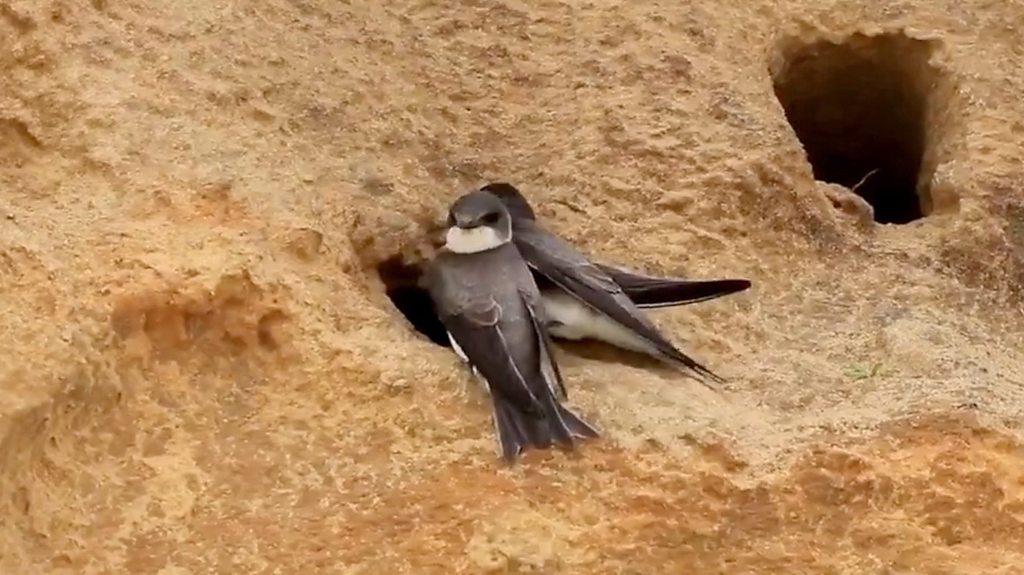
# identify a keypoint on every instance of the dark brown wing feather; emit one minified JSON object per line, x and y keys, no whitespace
{"x":655,"y":292}
{"x":544,"y":344}
{"x":566,"y":419}
{"x":560,"y":263}
{"x":477,"y":330}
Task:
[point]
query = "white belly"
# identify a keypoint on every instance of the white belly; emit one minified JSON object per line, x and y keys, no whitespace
{"x":570,"y":319}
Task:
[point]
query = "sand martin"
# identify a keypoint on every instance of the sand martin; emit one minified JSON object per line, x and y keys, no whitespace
{"x":583,"y":300}
{"x":492,"y":310}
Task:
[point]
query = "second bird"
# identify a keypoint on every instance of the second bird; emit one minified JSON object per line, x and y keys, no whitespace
{"x":587,"y":300}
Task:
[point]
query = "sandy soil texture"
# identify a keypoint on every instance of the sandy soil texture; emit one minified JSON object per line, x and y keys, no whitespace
{"x":200,"y":371}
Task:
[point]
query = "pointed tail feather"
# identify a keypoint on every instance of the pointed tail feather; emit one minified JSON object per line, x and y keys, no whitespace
{"x":511,"y":437}
{"x":577,"y":427}
{"x":553,"y":423}
{"x":519,"y":431}
{"x":705,"y":375}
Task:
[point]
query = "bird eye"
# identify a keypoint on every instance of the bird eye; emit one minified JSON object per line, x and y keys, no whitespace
{"x":492,"y":218}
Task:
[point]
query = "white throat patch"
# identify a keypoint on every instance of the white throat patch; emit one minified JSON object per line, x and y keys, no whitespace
{"x":478,"y":239}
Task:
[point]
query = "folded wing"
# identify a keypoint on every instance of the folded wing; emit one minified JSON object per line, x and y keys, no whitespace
{"x":590,"y":285}
{"x":526,"y":409}
{"x":655,"y":292}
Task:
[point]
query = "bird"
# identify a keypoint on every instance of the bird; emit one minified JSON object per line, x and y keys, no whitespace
{"x":491,"y":308}
{"x":584,"y":300}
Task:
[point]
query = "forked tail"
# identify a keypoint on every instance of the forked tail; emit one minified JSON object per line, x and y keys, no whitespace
{"x":519,"y":431}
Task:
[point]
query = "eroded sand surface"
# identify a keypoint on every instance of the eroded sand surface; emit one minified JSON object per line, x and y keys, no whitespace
{"x":200,"y":371}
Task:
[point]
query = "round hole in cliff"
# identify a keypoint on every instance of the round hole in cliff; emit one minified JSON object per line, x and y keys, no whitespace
{"x":869,"y":112}
{"x":401,"y":286}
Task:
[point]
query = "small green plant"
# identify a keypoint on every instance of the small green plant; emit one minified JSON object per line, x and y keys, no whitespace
{"x":858,"y":372}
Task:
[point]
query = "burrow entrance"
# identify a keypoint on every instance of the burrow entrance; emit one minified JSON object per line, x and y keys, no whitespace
{"x":401,"y":286}
{"x":869,"y":113}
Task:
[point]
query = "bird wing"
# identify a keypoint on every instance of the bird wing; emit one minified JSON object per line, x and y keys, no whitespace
{"x":548,"y":365}
{"x":476,"y":327}
{"x":655,"y":292}
{"x":568,"y":269}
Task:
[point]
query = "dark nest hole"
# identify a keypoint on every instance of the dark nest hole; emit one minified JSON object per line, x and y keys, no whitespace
{"x":866,"y":112}
{"x":401,"y":284}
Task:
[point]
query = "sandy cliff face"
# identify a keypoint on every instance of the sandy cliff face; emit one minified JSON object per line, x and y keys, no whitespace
{"x":201,"y":372}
